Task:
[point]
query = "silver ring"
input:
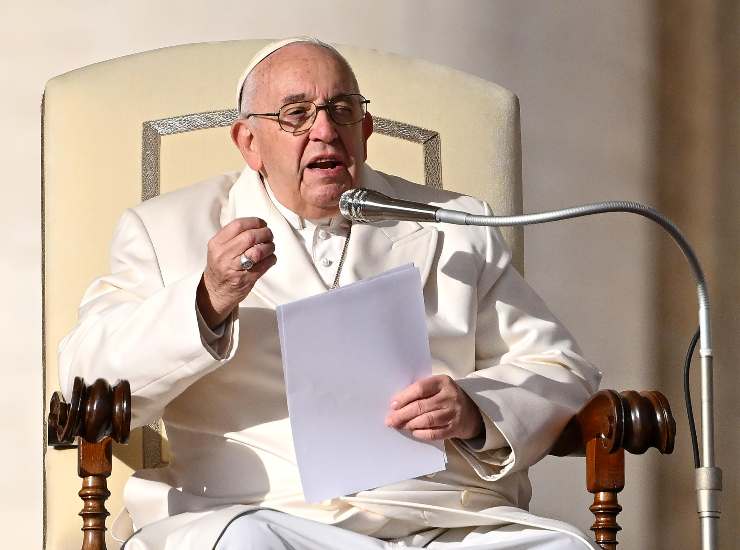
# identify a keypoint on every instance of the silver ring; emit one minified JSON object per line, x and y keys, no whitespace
{"x":245,"y":262}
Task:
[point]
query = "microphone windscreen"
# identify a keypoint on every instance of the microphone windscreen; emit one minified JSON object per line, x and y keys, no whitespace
{"x":349,"y":203}
{"x":368,"y":206}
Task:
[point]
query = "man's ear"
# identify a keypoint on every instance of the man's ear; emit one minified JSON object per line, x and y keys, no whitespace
{"x":367,"y":130}
{"x":247,"y":143}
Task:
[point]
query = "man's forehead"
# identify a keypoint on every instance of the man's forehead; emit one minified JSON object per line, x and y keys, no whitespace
{"x":292,"y":73}
{"x":300,"y":51}
{"x":295,"y":59}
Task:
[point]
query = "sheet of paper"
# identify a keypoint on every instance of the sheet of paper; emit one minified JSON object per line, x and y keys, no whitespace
{"x":345,"y":354}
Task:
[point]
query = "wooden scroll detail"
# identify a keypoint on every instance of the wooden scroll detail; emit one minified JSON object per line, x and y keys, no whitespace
{"x":607,"y":426}
{"x":98,"y":415}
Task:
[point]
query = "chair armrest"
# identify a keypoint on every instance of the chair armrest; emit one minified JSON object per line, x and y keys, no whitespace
{"x":629,"y":420}
{"x":96,"y":416}
{"x":602,"y":430}
{"x":607,"y":426}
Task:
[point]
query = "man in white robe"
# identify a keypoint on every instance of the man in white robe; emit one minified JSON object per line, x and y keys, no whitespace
{"x":187,"y":315}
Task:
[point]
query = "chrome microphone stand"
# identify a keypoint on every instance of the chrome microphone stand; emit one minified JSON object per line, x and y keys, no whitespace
{"x":363,"y":205}
{"x":708,"y":477}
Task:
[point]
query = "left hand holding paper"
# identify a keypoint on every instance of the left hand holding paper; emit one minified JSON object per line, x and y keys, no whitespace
{"x":435,"y":408}
{"x":345,"y":354}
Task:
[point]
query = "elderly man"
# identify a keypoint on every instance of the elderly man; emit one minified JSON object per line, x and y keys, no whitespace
{"x":187,"y":315}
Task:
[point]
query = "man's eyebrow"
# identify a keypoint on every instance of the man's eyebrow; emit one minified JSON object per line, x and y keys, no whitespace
{"x":293,"y":98}
{"x":302,"y":97}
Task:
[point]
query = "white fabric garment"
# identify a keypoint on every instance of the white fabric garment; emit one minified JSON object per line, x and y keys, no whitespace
{"x":270,"y":530}
{"x":322,"y":239}
{"x":222,"y":395}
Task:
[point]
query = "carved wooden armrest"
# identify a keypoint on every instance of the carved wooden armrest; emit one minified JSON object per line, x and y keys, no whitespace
{"x":607,"y":426}
{"x":96,"y":416}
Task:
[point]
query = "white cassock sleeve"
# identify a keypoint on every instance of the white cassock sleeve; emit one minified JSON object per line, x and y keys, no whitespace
{"x":133,"y":327}
{"x":529,"y":377}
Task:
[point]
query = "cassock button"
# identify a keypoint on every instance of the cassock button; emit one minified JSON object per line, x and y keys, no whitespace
{"x":326,"y":262}
{"x":465,"y":498}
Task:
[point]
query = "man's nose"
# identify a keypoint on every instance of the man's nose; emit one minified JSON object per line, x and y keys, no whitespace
{"x":323,"y":128}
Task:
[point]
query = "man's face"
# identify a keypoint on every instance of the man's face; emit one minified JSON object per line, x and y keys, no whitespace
{"x":310,"y":171}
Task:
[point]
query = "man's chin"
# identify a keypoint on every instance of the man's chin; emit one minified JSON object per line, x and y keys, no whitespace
{"x":330,"y":197}
{"x":328,"y":190}
{"x":325,"y":201}
{"x":327,"y":177}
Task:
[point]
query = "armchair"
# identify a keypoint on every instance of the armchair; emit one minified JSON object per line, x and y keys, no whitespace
{"x":129,"y":129}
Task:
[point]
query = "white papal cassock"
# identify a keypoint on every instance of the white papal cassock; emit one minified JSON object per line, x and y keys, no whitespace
{"x":222,"y":395}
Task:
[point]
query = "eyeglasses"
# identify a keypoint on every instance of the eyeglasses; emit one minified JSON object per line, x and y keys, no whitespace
{"x":298,"y":118}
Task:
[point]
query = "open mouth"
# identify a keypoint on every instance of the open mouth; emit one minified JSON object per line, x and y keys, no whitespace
{"x":325,"y":164}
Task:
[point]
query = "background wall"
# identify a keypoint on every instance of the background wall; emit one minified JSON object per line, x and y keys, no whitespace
{"x":600,"y":84}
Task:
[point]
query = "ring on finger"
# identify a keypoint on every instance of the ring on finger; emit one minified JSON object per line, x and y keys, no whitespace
{"x":245,"y":262}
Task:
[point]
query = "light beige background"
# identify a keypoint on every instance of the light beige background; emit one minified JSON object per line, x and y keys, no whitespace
{"x":590,"y":77}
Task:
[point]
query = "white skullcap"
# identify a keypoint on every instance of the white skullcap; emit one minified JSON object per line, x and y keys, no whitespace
{"x":268,"y":50}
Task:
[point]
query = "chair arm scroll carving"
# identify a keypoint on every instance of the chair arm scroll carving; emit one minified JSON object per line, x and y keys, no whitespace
{"x":96,"y":416}
{"x":93,"y":413}
{"x":629,"y":420}
{"x":608,"y":425}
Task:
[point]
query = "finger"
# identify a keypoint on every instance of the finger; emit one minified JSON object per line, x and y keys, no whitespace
{"x":399,"y":417}
{"x":245,"y":241}
{"x":420,"y":389}
{"x":236,"y":226}
{"x":256,"y":253}
{"x":262,"y":266}
{"x":433,"y":434}
{"x":245,"y":279}
{"x":441,"y":418}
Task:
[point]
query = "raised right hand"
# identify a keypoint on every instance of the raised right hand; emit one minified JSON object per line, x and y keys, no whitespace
{"x":224,"y":283}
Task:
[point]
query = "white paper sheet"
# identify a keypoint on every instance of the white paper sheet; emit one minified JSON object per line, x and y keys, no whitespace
{"x":345,"y":354}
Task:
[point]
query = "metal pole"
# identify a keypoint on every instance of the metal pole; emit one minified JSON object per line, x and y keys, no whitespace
{"x":363,"y":205}
{"x":708,"y":477}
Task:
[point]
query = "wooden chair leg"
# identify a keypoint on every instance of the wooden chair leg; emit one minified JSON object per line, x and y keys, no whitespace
{"x":96,"y":416}
{"x":603,"y":429}
{"x":604,"y":479}
{"x":94,"y":466}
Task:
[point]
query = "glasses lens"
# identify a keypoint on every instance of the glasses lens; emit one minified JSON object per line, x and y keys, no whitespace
{"x":348,"y":109}
{"x":297,"y":117}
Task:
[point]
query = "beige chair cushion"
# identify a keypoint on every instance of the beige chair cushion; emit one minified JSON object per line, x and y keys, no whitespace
{"x":136,"y":126}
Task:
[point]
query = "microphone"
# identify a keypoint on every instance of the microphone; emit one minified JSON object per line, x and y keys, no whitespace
{"x":368,"y":206}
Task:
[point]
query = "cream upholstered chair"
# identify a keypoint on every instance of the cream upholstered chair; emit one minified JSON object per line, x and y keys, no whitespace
{"x":125,"y":130}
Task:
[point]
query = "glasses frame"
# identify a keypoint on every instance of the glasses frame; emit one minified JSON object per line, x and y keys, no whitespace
{"x":326,"y":106}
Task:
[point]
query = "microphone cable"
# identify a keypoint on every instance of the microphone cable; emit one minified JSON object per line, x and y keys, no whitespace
{"x":687,"y":397}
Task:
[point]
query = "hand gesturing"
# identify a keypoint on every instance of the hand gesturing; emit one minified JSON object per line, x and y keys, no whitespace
{"x":225,"y":283}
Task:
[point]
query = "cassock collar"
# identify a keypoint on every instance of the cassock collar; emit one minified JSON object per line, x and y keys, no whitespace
{"x":298,"y":222}
{"x":373,"y":248}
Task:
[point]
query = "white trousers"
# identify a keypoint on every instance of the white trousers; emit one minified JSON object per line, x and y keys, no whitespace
{"x":271,"y":530}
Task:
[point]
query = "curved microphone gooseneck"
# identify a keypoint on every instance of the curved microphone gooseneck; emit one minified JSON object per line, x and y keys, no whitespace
{"x":368,"y":206}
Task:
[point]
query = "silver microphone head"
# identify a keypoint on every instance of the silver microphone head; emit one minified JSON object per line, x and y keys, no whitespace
{"x":367,"y":206}
{"x":349,"y":204}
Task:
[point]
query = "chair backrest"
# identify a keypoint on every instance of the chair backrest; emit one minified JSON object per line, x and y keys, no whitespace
{"x":125,"y":130}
